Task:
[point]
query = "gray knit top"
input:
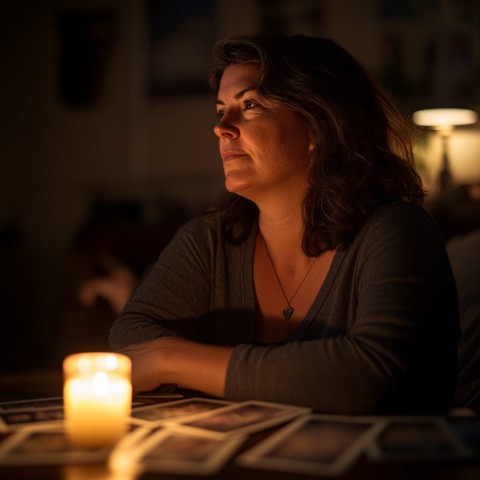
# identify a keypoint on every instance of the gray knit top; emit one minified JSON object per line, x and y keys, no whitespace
{"x":380,"y":337}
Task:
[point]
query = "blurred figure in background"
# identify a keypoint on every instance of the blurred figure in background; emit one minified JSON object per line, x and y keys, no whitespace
{"x":116,"y":286}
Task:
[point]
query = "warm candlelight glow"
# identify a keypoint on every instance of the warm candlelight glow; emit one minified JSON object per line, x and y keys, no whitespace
{"x":97,"y":397}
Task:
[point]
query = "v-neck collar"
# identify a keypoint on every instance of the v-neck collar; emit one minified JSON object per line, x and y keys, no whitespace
{"x":315,"y":307}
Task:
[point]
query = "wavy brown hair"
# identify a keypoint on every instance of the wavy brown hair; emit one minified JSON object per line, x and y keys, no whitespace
{"x":363,"y":154}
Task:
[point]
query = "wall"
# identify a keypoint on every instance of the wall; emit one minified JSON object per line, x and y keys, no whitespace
{"x":53,"y":155}
{"x":56,"y":159}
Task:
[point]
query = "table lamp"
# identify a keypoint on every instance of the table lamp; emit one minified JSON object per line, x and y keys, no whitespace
{"x":443,"y":120}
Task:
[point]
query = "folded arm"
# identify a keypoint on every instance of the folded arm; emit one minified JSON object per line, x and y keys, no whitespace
{"x":179,"y":361}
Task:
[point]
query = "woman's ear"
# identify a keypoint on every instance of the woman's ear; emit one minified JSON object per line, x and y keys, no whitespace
{"x":312,"y":139}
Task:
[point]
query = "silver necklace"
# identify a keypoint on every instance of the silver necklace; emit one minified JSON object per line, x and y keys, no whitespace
{"x":287,"y":312}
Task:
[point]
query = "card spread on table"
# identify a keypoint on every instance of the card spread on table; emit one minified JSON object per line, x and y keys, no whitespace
{"x":242,"y":418}
{"x":45,"y":444}
{"x":22,"y":418}
{"x":32,"y":404}
{"x":314,"y":445}
{"x":199,"y":435}
{"x":416,"y":439}
{"x":21,"y":413}
{"x":171,"y":451}
{"x":176,"y":409}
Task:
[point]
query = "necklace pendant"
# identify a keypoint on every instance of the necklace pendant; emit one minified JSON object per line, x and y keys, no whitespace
{"x":288,"y":312}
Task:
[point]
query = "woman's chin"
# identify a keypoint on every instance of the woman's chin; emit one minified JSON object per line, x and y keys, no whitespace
{"x":236,"y":185}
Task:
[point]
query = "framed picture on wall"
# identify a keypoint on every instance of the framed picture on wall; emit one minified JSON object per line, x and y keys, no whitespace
{"x":181,"y":36}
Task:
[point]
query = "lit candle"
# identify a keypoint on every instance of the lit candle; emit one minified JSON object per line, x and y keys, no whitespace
{"x":97,"y":397}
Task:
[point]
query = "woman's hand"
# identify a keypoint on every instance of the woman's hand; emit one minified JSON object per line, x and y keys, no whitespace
{"x":176,"y":360}
{"x":146,"y":364}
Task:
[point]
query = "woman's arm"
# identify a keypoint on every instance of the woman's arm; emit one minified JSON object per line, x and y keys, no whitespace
{"x":199,"y":289}
{"x":177,"y":325}
{"x":179,"y":361}
{"x":174,"y":298}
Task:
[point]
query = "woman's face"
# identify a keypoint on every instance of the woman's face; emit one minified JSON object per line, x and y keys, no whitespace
{"x":265,"y":146}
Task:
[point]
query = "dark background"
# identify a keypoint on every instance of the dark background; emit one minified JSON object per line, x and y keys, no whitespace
{"x":106,"y":136}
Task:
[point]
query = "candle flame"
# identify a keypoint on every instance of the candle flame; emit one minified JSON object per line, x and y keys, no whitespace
{"x":100,"y":384}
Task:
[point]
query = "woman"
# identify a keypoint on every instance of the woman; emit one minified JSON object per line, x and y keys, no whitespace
{"x":322,"y":282}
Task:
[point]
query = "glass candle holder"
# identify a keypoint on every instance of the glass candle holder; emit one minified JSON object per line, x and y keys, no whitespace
{"x":97,"y":395}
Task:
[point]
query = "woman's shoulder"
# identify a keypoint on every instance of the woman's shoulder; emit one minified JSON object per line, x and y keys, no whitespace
{"x":202,"y":228}
{"x":401,"y":236}
{"x":400,"y":207}
{"x":400,"y":221}
{"x":400,"y":213}
{"x":209,"y":228}
{"x":197,"y":239}
{"x":209,"y":220}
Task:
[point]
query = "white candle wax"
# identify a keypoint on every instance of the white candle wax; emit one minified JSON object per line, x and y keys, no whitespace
{"x":97,"y":400}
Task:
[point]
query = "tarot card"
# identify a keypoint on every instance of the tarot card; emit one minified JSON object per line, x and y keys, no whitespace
{"x":180,"y":452}
{"x":45,"y":444}
{"x":242,"y":418}
{"x":416,"y":439}
{"x":22,"y":418}
{"x":161,"y":412}
{"x":120,"y":458}
{"x":35,"y":403}
{"x":313,"y":444}
{"x":137,"y":432}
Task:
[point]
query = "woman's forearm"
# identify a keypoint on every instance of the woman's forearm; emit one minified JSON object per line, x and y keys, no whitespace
{"x":195,"y":365}
{"x":176,"y":360}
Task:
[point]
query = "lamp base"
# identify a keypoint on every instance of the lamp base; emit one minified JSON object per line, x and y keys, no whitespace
{"x":445,"y":178}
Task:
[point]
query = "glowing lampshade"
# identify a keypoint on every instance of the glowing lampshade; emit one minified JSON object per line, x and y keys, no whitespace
{"x":443,"y":120}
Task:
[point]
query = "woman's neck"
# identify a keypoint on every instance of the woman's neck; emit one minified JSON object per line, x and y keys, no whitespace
{"x":282,"y":232}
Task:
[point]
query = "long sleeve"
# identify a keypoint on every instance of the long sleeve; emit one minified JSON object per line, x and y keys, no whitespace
{"x":200,"y":288}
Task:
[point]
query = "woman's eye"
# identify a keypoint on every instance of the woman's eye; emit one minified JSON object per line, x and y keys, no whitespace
{"x":249,"y":104}
{"x":220,"y":113}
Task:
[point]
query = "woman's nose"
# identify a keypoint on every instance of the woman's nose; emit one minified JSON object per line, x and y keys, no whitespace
{"x":226,"y":128}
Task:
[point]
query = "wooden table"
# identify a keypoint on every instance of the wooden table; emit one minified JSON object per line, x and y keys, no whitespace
{"x":35,"y":384}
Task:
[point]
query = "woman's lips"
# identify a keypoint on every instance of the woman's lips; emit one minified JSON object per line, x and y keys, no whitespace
{"x":232,"y":155}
